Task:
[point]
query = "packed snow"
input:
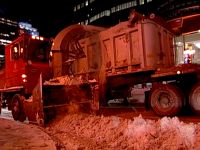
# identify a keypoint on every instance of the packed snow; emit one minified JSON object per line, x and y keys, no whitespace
{"x":79,"y":131}
{"x":86,"y":131}
{"x":69,"y":80}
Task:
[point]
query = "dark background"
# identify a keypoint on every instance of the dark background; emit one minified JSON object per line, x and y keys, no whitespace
{"x":48,"y":16}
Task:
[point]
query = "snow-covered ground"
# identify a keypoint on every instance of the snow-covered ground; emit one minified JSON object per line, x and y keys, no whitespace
{"x":89,"y":132}
{"x":16,"y":135}
{"x":84,"y":131}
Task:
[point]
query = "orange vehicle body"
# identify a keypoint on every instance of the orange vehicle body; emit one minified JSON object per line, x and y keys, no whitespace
{"x":27,"y":66}
{"x":132,"y":59}
{"x":133,"y":56}
{"x":25,"y":59}
{"x":18,"y":62}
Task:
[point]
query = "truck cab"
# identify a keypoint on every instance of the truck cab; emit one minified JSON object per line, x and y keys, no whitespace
{"x":26,"y":58}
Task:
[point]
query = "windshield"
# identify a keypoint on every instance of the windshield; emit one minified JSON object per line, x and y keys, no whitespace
{"x":39,"y":50}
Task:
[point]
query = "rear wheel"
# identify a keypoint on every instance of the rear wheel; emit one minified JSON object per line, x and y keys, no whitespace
{"x":17,"y":108}
{"x":166,"y":99}
{"x":194,"y":98}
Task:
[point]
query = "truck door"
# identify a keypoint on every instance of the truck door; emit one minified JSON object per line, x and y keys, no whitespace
{"x":15,"y":66}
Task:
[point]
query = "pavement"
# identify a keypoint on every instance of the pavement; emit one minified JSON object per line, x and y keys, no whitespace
{"x":16,"y":135}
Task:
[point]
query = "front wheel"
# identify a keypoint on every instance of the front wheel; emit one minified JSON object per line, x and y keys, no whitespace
{"x":17,"y":108}
{"x":166,"y":99}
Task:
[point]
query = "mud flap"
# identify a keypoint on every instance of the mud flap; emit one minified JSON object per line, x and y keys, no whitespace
{"x":95,"y":98}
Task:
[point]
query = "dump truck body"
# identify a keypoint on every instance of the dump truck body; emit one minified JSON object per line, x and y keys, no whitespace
{"x":135,"y":54}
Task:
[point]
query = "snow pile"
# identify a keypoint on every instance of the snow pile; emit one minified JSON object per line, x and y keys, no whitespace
{"x":83,"y":131}
{"x":69,"y":80}
{"x":65,"y":80}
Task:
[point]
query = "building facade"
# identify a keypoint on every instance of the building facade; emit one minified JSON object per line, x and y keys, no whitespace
{"x":109,"y":12}
{"x":10,"y":30}
{"x":106,"y":13}
{"x":185,"y":12}
{"x":170,"y":9}
{"x":185,"y":15}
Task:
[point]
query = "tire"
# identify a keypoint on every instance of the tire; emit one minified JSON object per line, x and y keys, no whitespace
{"x":17,"y":108}
{"x":166,"y":100}
{"x":194,"y":98}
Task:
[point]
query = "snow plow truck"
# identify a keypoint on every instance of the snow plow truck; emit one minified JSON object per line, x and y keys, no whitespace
{"x":86,"y":67}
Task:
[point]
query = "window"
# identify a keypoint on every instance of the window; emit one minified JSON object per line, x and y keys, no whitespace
{"x":38,"y":51}
{"x":2,"y":61}
{"x":134,"y":3}
{"x":113,"y":10}
{"x":15,"y":52}
{"x":21,"y":49}
{"x":91,"y":1}
{"x":86,"y":3}
{"x":74,"y":8}
{"x":78,"y":6}
{"x":82,"y":5}
{"x":141,"y":2}
{"x":107,"y":13}
{"x":86,"y":22}
{"x":40,"y":54}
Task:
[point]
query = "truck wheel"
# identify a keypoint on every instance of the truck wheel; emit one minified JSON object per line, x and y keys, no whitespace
{"x":166,"y":100}
{"x":194,"y":98}
{"x":17,"y":108}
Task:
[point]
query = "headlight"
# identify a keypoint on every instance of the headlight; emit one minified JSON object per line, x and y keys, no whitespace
{"x":24,"y":76}
{"x":24,"y":80}
{"x":178,"y":72}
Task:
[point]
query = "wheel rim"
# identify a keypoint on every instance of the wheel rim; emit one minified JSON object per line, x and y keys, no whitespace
{"x":15,"y":109}
{"x":195,"y":98}
{"x":166,"y":100}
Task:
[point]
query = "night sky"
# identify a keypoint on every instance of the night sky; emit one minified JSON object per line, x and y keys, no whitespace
{"x":48,"y":16}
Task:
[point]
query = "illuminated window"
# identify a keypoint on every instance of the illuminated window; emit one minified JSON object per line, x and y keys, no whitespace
{"x":74,"y":8}
{"x":82,"y":5}
{"x":107,"y":13}
{"x":86,"y":22}
{"x":86,"y":3}
{"x":141,"y":2}
{"x":15,"y":52}
{"x":100,"y":15}
{"x":92,"y":1}
{"x":78,"y":6}
{"x":113,"y":10}
{"x":134,"y":3}
{"x":21,"y":49}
